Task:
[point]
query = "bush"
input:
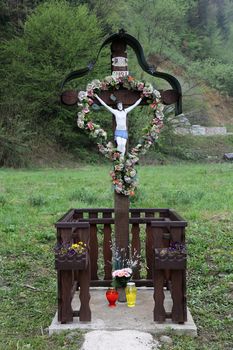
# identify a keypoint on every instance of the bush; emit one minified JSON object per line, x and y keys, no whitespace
{"x":14,"y":142}
{"x":219,"y":75}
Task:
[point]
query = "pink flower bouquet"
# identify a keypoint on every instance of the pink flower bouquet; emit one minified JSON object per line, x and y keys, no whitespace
{"x":121,"y":277}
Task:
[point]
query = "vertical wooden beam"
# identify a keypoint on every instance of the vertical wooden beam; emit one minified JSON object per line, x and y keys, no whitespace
{"x":118,"y":49}
{"x":78,"y":215}
{"x":107,"y":251}
{"x":94,"y":248}
{"x":178,"y":281}
{"x":158,"y":278}
{"x":122,"y":223}
{"x":136,"y":245}
{"x":149,"y":244}
{"x":65,"y":281}
{"x":83,"y":234}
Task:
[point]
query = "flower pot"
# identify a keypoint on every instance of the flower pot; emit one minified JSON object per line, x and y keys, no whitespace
{"x":121,"y":294}
{"x":164,"y":259}
{"x":112,"y":296}
{"x":75,"y":262}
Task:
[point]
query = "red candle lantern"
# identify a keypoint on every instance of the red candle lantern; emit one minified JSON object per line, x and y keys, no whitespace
{"x":112,"y":296}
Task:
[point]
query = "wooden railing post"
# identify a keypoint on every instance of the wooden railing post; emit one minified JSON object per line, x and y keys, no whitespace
{"x":93,"y":247}
{"x":178,"y":282}
{"x":83,"y":234}
{"x":136,"y":245}
{"x":158,"y":278}
{"x":149,"y":244}
{"x":65,"y":281}
{"x":107,"y":251}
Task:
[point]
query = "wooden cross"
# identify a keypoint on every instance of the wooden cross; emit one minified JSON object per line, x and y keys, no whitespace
{"x":168,"y":97}
{"x":119,"y":67}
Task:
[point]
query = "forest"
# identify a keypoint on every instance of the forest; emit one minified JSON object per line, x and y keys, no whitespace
{"x":42,"y":41}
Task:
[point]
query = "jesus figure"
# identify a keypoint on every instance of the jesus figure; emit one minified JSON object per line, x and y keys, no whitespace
{"x":121,"y":132}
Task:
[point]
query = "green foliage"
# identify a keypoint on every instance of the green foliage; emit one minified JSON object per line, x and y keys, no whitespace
{"x":57,"y":39}
{"x":37,"y":201}
{"x":83,"y":194}
{"x":217,"y":74}
{"x":14,"y":142}
{"x":12,"y":16}
{"x":3,"y":200}
{"x":163,"y":26}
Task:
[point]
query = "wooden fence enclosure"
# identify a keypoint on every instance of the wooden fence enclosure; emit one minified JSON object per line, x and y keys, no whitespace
{"x":151,"y":230}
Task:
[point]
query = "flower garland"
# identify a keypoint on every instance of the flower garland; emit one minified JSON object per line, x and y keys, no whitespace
{"x":124,"y":175}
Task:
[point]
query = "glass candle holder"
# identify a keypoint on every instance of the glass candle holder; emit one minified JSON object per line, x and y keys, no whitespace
{"x":131,"y":294}
{"x":112,"y":296}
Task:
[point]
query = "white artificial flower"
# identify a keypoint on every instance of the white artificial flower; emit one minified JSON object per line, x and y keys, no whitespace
{"x":128,"y":163}
{"x":82,"y":95}
{"x":127,"y":179}
{"x":109,"y":79}
{"x":159,"y":115}
{"x":90,"y":86}
{"x":160,"y":107}
{"x":80,"y":123}
{"x":81,"y":115}
{"x":156,"y":94}
{"x":132,"y":173}
{"x":96,"y":83}
{"x":148,"y":89}
{"x":104,"y":134}
{"x":96,"y":132}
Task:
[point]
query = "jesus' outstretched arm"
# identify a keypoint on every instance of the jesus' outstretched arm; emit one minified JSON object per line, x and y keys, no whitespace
{"x":130,"y":108}
{"x":104,"y":104}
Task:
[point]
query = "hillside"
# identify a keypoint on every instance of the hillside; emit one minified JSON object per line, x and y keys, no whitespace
{"x":207,"y":105}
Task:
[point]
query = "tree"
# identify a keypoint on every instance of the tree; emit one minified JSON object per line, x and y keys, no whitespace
{"x":57,"y":39}
{"x":13,"y":14}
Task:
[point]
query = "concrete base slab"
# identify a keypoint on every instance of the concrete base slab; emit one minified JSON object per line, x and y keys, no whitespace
{"x":131,"y":340}
{"x":122,"y":317}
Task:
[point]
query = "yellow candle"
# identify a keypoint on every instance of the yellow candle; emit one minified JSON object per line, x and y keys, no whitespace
{"x":131,"y":293}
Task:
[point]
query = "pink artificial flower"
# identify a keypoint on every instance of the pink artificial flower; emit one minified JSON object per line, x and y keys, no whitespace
{"x":90,"y":93}
{"x":120,"y":274}
{"x":112,"y":174}
{"x":116,"y":155}
{"x":153,"y":105}
{"x":118,"y":167}
{"x":103,"y":86}
{"x":90,"y":101}
{"x":126,"y":272}
{"x":85,"y":110}
{"x":120,"y":80}
{"x":90,"y":126}
{"x":140,"y":86}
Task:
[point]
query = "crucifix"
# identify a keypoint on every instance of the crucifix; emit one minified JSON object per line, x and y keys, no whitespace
{"x":127,"y":100}
{"x":120,"y":94}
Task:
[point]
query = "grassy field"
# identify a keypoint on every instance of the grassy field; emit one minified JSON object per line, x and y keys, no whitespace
{"x":32,"y":200}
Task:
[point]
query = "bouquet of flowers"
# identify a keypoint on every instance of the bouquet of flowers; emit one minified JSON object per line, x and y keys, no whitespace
{"x":121,"y":277}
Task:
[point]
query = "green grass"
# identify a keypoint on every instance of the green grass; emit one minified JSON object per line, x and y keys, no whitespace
{"x":32,"y":200}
